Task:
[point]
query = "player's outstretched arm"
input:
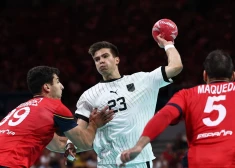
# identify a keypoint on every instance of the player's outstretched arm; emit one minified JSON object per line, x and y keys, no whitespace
{"x":132,"y":153}
{"x":57,"y":144}
{"x":83,"y":125}
{"x":83,"y":138}
{"x":154,"y":127}
{"x":175,"y":65}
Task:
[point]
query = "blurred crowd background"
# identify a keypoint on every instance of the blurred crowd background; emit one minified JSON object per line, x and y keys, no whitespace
{"x":59,"y":32}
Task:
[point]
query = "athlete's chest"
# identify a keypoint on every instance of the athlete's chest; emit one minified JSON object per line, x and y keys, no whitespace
{"x":119,"y":96}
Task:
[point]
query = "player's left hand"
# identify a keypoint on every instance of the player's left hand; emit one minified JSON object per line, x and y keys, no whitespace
{"x":70,"y":151}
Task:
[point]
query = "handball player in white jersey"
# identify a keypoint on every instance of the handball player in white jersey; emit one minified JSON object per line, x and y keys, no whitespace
{"x":133,"y":99}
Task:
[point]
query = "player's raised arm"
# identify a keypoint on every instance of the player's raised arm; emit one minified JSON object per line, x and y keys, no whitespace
{"x":175,"y":65}
{"x":164,"y":33}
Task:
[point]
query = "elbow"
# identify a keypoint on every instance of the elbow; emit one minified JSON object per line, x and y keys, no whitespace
{"x":173,"y":71}
{"x":84,"y":146}
{"x":89,"y":145}
{"x":177,"y":69}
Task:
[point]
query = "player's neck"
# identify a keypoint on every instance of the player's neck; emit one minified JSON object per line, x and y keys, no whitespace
{"x":42,"y":95}
{"x":213,"y":80}
{"x":114,"y":75}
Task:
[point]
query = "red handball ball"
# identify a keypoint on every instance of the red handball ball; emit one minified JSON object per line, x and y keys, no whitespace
{"x":167,"y":28}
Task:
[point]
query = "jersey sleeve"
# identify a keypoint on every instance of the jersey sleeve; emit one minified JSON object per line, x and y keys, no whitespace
{"x":64,"y":119}
{"x":158,"y":78}
{"x":84,"y":109}
{"x":178,"y":101}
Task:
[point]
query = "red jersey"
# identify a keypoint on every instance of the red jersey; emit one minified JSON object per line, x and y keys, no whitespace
{"x":209,"y":116}
{"x":29,"y":128}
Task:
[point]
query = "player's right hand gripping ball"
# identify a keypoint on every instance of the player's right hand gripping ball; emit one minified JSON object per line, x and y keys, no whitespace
{"x":167,"y":28}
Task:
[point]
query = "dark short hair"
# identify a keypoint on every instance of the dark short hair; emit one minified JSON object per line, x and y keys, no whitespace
{"x":218,"y":64}
{"x":38,"y":76}
{"x":103,"y":44}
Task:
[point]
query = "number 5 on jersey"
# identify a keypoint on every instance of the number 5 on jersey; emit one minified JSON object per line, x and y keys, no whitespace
{"x":17,"y":118}
{"x":210,"y":107}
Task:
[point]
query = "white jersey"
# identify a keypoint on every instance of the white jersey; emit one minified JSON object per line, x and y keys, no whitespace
{"x":133,"y":99}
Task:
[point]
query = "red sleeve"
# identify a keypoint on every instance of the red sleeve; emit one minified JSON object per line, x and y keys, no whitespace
{"x":180,"y":99}
{"x":170,"y":113}
{"x":179,"y":102}
{"x":64,"y":119}
{"x":63,"y":111}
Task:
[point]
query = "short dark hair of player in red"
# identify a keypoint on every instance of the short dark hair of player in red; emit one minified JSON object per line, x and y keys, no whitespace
{"x":40,"y":75}
{"x":103,"y":44}
{"x":218,"y":64}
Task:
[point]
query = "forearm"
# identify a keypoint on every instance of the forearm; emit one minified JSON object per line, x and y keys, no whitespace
{"x":142,"y":142}
{"x":175,"y":65}
{"x":87,"y":137}
{"x":57,"y":144}
{"x":83,"y":138}
{"x":160,"y":121}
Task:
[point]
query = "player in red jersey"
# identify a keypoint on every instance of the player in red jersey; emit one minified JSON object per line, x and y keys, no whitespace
{"x":208,"y":111}
{"x":31,"y":126}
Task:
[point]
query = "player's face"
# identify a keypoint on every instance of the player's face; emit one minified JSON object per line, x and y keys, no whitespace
{"x":105,"y":62}
{"x":56,"y":88}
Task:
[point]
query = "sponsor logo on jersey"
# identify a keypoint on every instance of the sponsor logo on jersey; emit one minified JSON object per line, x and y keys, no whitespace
{"x":214,"y":134}
{"x":114,"y":92}
{"x":8,"y":132}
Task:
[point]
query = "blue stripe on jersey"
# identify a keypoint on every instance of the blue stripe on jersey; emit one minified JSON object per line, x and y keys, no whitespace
{"x":163,"y":69}
{"x":179,"y":109}
{"x":64,"y":124}
{"x":79,"y":116}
